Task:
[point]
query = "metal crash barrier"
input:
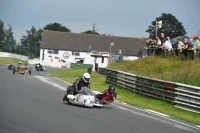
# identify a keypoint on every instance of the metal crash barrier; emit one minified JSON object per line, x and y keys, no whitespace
{"x":179,"y":95}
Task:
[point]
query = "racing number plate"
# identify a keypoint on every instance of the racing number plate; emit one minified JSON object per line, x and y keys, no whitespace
{"x":91,"y":102}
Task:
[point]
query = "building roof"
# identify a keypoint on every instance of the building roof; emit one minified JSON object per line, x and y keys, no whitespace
{"x":89,"y":42}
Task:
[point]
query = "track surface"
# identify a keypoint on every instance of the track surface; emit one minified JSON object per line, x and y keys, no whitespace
{"x":33,"y":104}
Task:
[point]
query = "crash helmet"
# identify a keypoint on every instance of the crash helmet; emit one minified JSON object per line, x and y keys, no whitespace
{"x":111,"y":89}
{"x":38,"y":63}
{"x":86,"y":77}
{"x":20,"y":63}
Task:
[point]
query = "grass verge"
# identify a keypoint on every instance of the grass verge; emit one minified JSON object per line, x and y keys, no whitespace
{"x":98,"y":83}
{"x":6,"y":60}
{"x":169,"y":68}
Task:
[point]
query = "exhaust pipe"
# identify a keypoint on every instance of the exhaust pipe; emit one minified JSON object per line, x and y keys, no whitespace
{"x":71,"y":97}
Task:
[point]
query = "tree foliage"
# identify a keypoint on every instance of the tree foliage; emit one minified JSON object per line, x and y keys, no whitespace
{"x":90,"y":32}
{"x":1,"y":33}
{"x":56,"y":27}
{"x":9,"y":41}
{"x":31,"y":41}
{"x":170,"y":26}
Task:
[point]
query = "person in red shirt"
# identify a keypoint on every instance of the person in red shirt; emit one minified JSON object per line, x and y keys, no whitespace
{"x":108,"y":95}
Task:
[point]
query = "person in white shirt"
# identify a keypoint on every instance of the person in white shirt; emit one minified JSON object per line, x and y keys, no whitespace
{"x":168,"y":44}
{"x":180,"y":45}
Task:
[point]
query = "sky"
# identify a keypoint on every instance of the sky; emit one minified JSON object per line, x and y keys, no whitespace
{"x":127,"y":18}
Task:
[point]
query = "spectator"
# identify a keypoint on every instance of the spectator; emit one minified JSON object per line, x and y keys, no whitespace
{"x":158,"y":41}
{"x":179,"y":46}
{"x":184,"y":50}
{"x":159,"y":46}
{"x":196,"y":43}
{"x":162,"y":39}
{"x":191,"y":42}
{"x":149,"y":43}
{"x":140,"y":53}
{"x":190,"y":51}
{"x":120,"y":55}
{"x":168,"y":44}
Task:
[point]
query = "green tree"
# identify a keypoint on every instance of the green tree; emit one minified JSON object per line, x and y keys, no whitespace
{"x":9,"y":41}
{"x":31,"y":41}
{"x":90,"y":32}
{"x":56,"y":27}
{"x":1,"y":33}
{"x":170,"y":26}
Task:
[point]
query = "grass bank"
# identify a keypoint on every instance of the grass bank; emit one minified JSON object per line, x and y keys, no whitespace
{"x":170,"y":69}
{"x":98,"y":83}
{"x":6,"y":60}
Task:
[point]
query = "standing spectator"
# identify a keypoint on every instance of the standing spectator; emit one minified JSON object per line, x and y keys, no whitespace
{"x":179,"y":46}
{"x":167,"y":46}
{"x":190,"y":51}
{"x":162,"y":39}
{"x":196,"y":46}
{"x":120,"y":55}
{"x":184,"y":50}
{"x":159,"y":46}
{"x":149,"y":43}
{"x":140,"y":53}
{"x":191,"y":42}
{"x":196,"y":43}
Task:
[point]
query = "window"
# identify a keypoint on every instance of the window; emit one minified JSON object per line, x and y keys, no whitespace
{"x":75,"y":53}
{"x":50,"y":51}
{"x":53,"y":51}
{"x":102,"y":60}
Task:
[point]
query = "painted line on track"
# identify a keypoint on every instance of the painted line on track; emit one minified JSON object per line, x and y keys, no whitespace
{"x":163,"y":116}
{"x":44,"y":79}
{"x":154,"y":112}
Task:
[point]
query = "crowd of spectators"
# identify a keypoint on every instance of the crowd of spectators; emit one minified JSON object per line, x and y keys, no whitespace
{"x":163,"y":45}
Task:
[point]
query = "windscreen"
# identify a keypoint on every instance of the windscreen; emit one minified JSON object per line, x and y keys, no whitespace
{"x":86,"y":91}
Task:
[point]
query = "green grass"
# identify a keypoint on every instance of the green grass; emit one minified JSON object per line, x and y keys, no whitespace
{"x":5,"y":60}
{"x":98,"y":83}
{"x":170,"y":69}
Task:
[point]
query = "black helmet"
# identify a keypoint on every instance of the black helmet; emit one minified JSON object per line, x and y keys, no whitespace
{"x":111,"y":89}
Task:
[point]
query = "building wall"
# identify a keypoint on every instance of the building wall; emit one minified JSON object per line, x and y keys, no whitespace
{"x":86,"y":56}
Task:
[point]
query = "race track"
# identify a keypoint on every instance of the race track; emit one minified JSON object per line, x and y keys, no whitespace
{"x":33,"y":104}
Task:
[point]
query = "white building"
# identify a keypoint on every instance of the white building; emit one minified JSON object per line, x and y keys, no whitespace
{"x":61,"y":48}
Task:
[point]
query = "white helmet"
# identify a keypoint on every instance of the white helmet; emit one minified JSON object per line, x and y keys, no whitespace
{"x":86,"y":77}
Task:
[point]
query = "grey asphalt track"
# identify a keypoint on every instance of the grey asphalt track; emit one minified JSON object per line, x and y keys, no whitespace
{"x":33,"y":104}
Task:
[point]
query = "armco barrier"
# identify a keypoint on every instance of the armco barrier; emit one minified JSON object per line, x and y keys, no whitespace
{"x":78,"y":65}
{"x":102,"y":71}
{"x":180,"y":95}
